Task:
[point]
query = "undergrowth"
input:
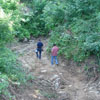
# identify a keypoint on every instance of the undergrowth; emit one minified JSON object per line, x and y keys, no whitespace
{"x":74,"y":25}
{"x":10,"y":68}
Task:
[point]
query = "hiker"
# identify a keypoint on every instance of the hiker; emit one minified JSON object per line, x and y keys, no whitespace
{"x":54,"y":52}
{"x":39,"y":49}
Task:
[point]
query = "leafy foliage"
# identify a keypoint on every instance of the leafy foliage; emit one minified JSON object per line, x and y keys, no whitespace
{"x":76,"y":19}
{"x":9,"y":66}
{"x":33,"y":18}
{"x":5,"y":33}
{"x":74,"y":25}
{"x":81,"y":24}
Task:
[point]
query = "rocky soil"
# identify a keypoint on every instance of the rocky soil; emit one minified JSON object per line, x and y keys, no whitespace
{"x":63,"y":82}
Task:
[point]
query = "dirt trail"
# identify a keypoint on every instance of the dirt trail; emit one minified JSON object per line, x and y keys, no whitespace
{"x":65,"y":84}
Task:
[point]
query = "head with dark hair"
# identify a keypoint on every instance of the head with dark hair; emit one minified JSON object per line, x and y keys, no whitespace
{"x":54,"y":44}
{"x":39,"y":39}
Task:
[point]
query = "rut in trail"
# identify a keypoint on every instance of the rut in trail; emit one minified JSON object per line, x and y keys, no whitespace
{"x":52,"y":82}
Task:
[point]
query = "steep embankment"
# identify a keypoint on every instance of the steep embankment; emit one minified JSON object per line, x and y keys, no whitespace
{"x":63,"y":82}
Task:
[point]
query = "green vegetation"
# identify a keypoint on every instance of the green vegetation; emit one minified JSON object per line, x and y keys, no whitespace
{"x":10,"y":70}
{"x":74,"y":25}
{"x":79,"y":36}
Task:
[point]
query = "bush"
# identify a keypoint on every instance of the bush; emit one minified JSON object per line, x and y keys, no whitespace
{"x":9,"y":70}
{"x":3,"y":83}
{"x":82,"y":19}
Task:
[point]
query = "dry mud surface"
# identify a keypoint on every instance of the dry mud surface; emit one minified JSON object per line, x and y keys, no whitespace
{"x":63,"y":82}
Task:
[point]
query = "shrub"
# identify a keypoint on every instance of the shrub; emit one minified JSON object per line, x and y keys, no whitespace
{"x":9,"y":66}
{"x":9,"y":70}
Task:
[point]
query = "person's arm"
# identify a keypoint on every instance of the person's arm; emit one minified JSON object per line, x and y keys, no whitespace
{"x":58,"y":49}
{"x":42,"y":44}
{"x":37,"y":44}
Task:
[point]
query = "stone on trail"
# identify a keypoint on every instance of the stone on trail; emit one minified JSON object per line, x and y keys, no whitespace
{"x":41,"y":76}
{"x":43,"y":71}
{"x":54,"y":77}
{"x":56,"y":81}
{"x":31,"y":40}
{"x":25,"y":40}
{"x":70,"y":86}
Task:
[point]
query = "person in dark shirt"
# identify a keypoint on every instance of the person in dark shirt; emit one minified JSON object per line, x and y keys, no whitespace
{"x":39,"y":48}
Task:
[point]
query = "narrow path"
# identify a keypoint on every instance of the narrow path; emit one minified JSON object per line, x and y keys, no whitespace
{"x":67,"y":85}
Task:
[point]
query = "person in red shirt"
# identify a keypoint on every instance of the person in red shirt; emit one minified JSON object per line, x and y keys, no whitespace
{"x":54,"y":52}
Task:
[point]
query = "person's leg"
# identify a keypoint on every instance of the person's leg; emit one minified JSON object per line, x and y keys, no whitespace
{"x":56,"y":60}
{"x":51,"y":60}
{"x":39,"y":54}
